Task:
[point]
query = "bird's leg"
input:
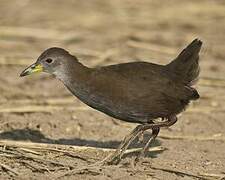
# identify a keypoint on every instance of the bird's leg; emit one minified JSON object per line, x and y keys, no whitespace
{"x":155,"y":132}
{"x":129,"y":142}
{"x":116,"y":157}
{"x":124,"y":145}
{"x":129,"y":137}
{"x":141,"y":137}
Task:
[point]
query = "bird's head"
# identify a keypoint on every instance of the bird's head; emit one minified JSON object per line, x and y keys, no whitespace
{"x":53,"y":61}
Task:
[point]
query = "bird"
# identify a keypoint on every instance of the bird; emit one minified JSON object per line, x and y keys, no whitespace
{"x":135,"y":92}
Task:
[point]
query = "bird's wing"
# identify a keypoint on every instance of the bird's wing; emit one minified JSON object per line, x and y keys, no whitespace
{"x":138,"y":88}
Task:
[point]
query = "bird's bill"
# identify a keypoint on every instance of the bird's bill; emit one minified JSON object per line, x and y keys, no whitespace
{"x":34,"y":68}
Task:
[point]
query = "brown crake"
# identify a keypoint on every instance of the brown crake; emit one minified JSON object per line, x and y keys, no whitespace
{"x":136,"y":92}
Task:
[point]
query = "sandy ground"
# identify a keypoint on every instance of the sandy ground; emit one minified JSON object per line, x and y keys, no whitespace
{"x":39,"y":109}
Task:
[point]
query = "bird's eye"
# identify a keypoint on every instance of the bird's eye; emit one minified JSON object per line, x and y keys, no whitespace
{"x":48,"y":61}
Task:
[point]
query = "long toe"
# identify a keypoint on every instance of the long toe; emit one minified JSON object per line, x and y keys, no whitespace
{"x":112,"y":159}
{"x":116,"y":159}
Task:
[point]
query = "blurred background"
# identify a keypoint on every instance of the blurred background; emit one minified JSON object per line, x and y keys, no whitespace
{"x":39,"y":109}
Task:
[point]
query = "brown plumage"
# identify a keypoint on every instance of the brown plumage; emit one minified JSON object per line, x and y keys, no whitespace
{"x":136,"y":92}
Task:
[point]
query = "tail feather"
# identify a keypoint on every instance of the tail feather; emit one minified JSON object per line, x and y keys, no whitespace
{"x":186,"y":67}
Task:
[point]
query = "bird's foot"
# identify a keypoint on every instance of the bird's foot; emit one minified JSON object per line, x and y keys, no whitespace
{"x":115,"y":158}
{"x":112,"y":159}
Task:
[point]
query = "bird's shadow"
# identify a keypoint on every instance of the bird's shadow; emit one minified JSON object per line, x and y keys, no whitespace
{"x":38,"y":137}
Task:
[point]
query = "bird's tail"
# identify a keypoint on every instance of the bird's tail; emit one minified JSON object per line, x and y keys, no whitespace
{"x":186,"y":66}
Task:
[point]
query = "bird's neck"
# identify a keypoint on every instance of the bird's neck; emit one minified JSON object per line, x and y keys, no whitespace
{"x":74,"y":76}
